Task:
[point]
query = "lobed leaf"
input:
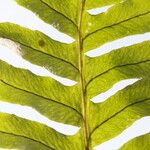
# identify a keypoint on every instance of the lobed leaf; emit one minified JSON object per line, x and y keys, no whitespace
{"x":94,"y":75}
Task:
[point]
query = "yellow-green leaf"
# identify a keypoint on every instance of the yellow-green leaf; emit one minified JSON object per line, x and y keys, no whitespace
{"x":59,"y":80}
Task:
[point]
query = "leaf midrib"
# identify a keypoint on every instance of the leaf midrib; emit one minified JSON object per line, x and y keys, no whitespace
{"x":84,"y":101}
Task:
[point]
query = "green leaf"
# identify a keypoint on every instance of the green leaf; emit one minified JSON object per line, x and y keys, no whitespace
{"x":45,"y":106}
{"x":121,"y":12}
{"x":42,"y":86}
{"x":130,"y":107}
{"x":32,"y":39}
{"x":12,"y":141}
{"x":72,"y":104}
{"x":34,"y":132}
{"x":103,"y":82}
{"x":141,"y":142}
{"x":55,"y":14}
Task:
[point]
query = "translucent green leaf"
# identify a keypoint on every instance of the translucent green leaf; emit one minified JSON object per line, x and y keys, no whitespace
{"x":45,"y":106}
{"x":92,"y":75}
{"x":121,"y":12}
{"x":35,"y":132}
{"x":141,"y":142}
{"x":49,"y":11}
{"x":120,"y":122}
{"x":33,"y":39}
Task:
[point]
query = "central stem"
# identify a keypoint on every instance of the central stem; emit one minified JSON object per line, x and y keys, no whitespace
{"x":82,"y":78}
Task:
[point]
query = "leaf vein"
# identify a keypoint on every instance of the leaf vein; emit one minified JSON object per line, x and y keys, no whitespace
{"x":136,"y":63}
{"x":141,"y":101}
{"x":42,"y":52}
{"x":60,"y":13}
{"x":28,"y":138}
{"x":41,"y":96}
{"x":116,"y":24}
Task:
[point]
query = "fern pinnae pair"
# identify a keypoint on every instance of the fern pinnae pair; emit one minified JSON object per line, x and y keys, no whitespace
{"x":72,"y":105}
